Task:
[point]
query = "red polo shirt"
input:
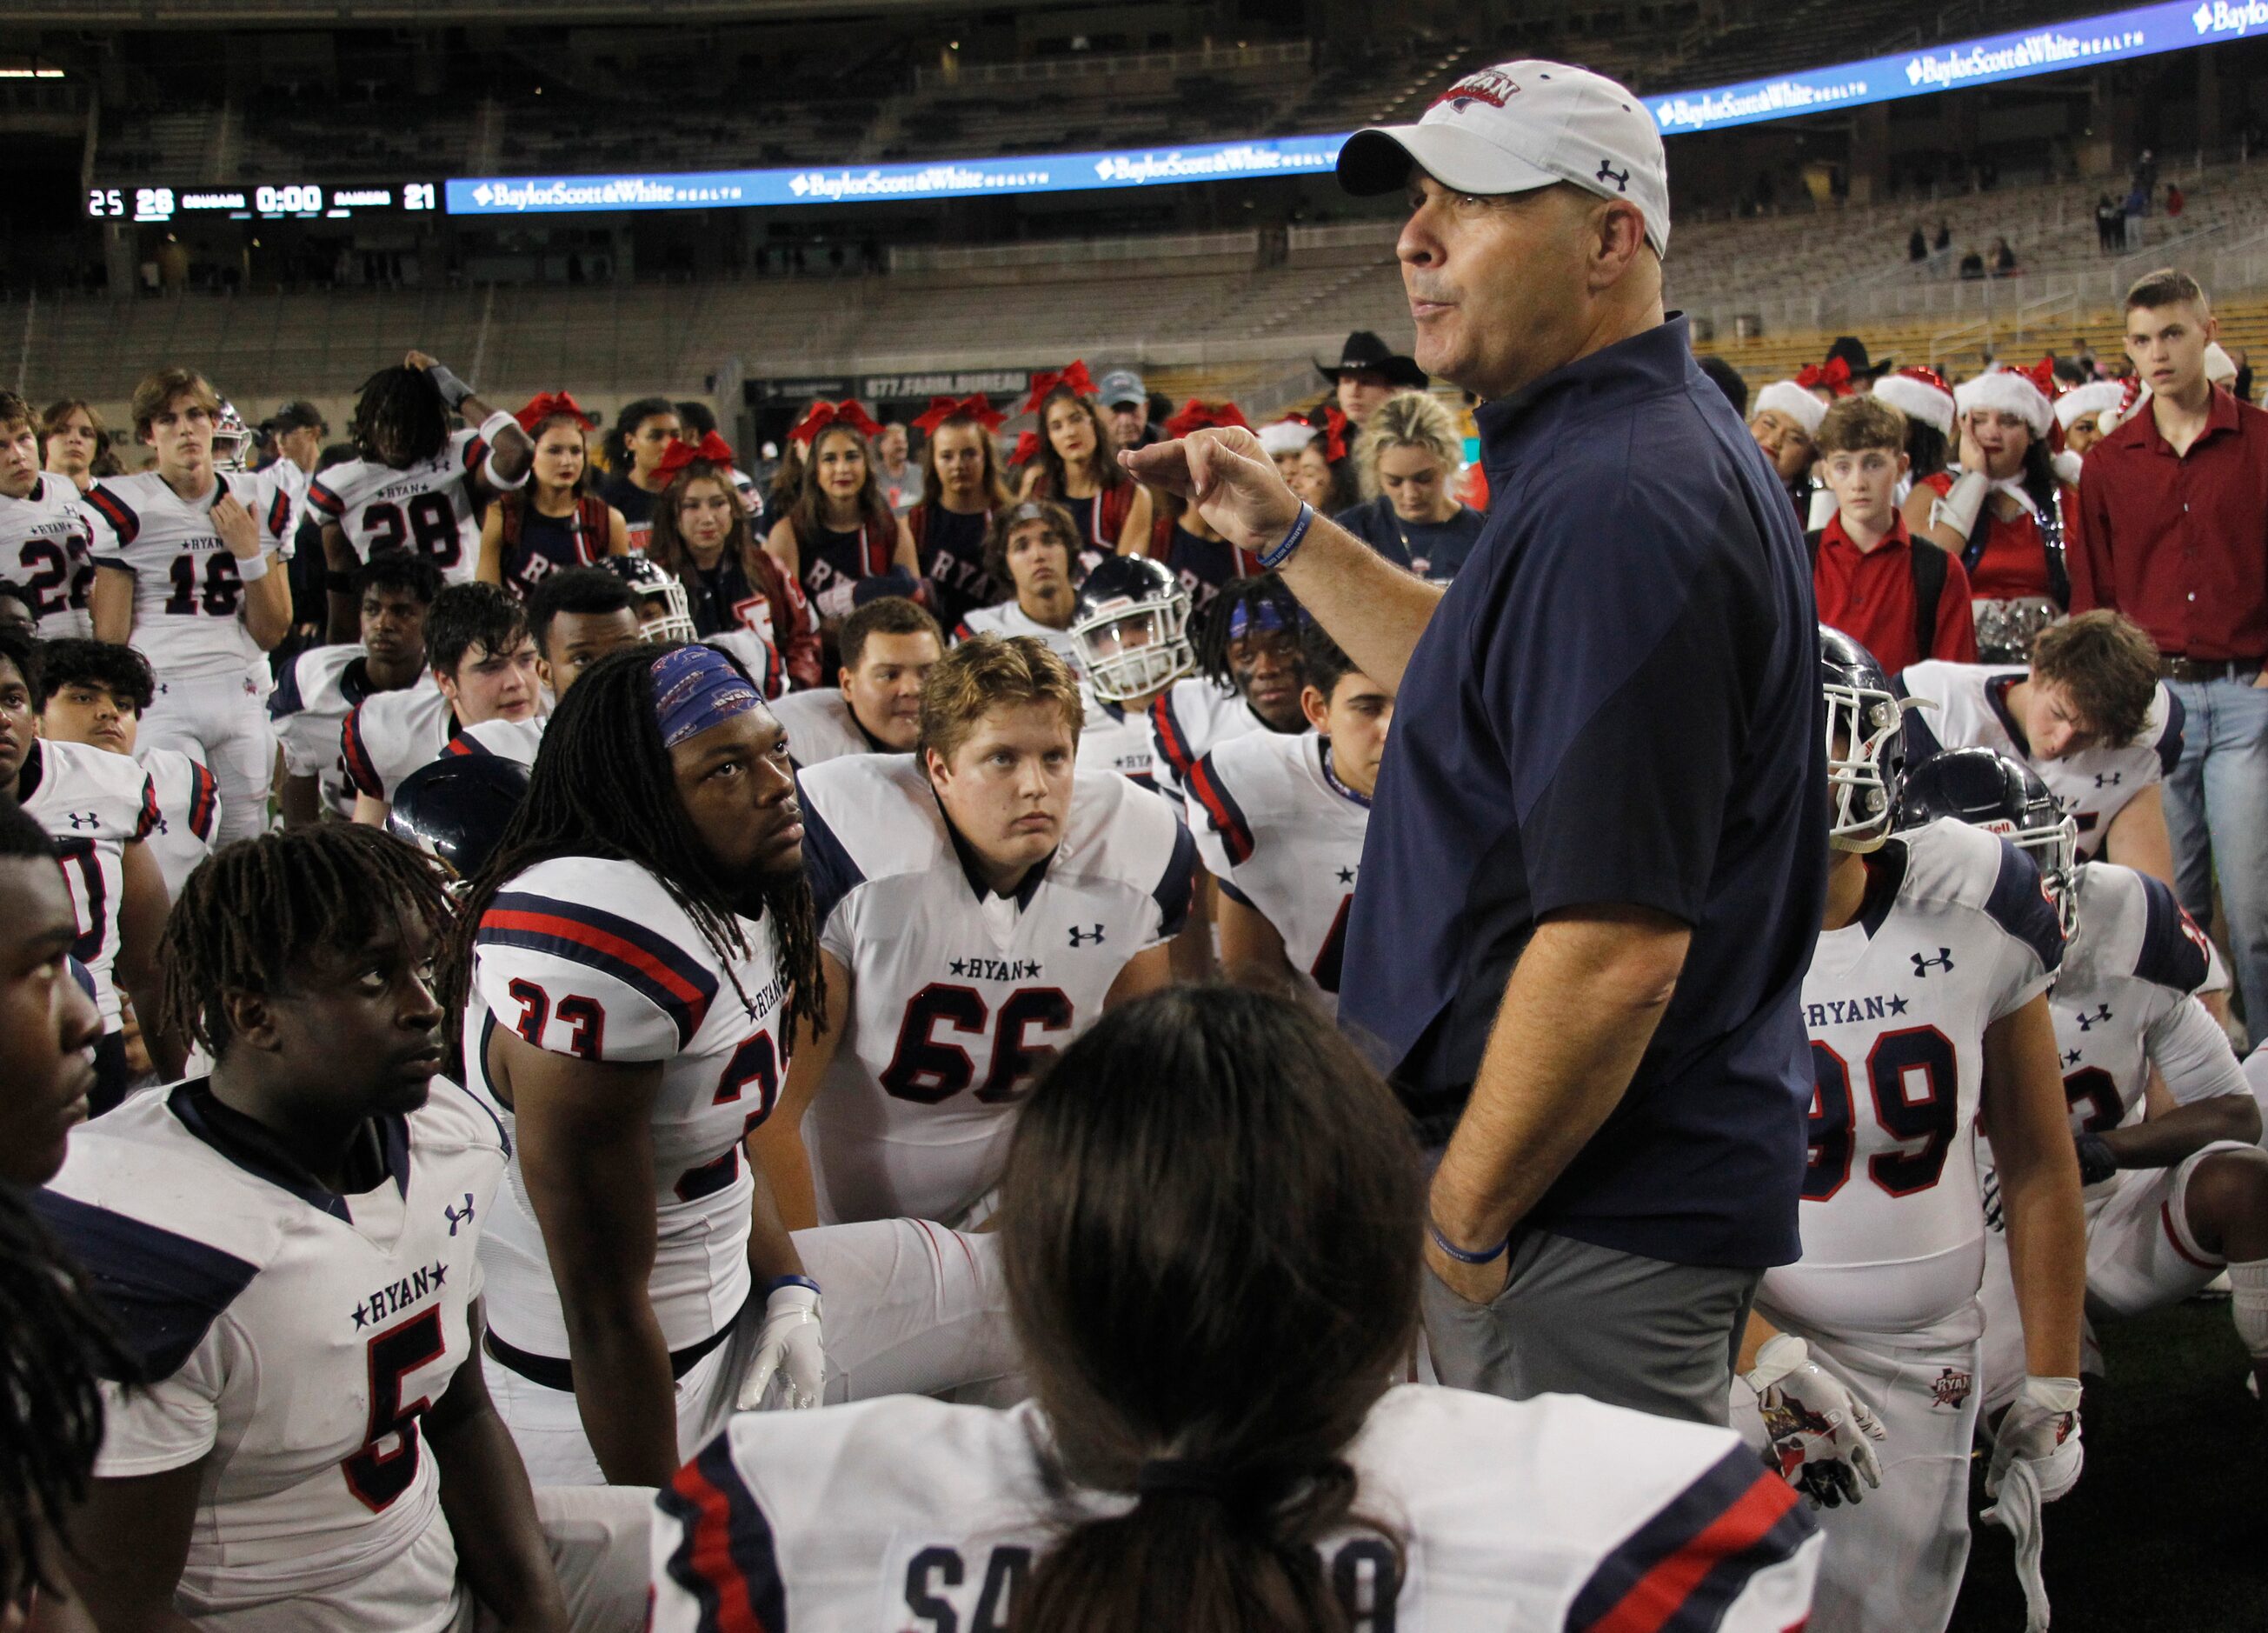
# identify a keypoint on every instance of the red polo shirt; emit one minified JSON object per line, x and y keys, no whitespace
{"x":1869,"y":595}
{"x":2179,"y":542}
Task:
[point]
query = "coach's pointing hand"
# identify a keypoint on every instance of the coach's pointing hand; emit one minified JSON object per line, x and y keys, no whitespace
{"x":1227,"y":473}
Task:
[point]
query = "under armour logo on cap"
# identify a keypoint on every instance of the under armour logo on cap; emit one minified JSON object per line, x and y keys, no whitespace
{"x":1620,"y":178}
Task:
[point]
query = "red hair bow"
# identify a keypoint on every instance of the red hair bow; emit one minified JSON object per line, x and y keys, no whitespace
{"x":1195,"y":416}
{"x":1027,"y":449}
{"x":2042,"y":374}
{"x":823,"y":414}
{"x":977,"y":407}
{"x":1333,"y":425}
{"x":711,"y":450}
{"x":1834,"y":376}
{"x":1074,"y":379}
{"x":549,"y":405}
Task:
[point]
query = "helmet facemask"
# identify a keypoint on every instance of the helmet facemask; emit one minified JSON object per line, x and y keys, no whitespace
{"x":2052,"y":843}
{"x":231,"y":439}
{"x":1868,"y":725}
{"x":1134,"y":649}
{"x":671,"y":622}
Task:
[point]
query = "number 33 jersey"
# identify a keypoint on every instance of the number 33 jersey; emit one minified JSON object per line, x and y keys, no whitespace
{"x":426,"y":508}
{"x":290,"y":1337}
{"x":1953,"y":934}
{"x":959,"y":996}
{"x":188,"y":595}
{"x":634,"y":981}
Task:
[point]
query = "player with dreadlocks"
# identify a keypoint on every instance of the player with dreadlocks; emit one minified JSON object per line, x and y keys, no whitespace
{"x":416,"y":485}
{"x":289,"y":1248}
{"x":642,"y":1279}
{"x":1250,"y":674}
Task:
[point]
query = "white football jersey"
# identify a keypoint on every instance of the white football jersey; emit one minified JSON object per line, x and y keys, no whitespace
{"x":635,"y":980}
{"x":1187,"y":719}
{"x":309,"y":708}
{"x":1113,"y":738}
{"x":2093,"y":785}
{"x":1283,"y":836}
{"x":286,"y":478}
{"x":1955,"y":933}
{"x":510,"y":740}
{"x":188,"y":598}
{"x":1555,"y":1512}
{"x":426,"y":508}
{"x":1008,"y":619}
{"x":820,"y":727}
{"x":189,"y":814}
{"x":94,"y":803}
{"x":291,"y":1337}
{"x":390,"y":733}
{"x":47,"y":546}
{"x":960,"y":997}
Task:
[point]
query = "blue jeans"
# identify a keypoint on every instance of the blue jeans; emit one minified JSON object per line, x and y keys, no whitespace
{"x":2217,"y":816}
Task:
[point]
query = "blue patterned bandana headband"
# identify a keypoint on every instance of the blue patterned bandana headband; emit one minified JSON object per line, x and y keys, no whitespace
{"x":1249,"y":616}
{"x":696,"y":687}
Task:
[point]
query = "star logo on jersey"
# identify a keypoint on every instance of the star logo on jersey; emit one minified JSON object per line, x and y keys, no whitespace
{"x":1897,"y":1005}
{"x":1346,"y":875}
{"x":2070,"y":1057}
{"x":81,"y":820}
{"x":2088,"y":1022}
{"x":1081,"y":938}
{"x":1949,"y":1389}
{"x":1923,"y":966}
{"x":2109,"y":780}
{"x":457,"y":1217}
{"x":398,"y":1296}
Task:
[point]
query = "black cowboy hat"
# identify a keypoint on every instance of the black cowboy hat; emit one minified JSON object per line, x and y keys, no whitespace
{"x":1366,"y":351}
{"x":1852,"y":350}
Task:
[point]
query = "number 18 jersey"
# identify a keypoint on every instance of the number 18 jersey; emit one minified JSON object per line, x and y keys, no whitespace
{"x":426,"y":507}
{"x":1954,"y":933}
{"x":188,"y":595}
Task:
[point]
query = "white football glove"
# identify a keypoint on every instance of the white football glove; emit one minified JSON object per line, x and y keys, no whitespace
{"x":837,"y":602}
{"x":790,"y":1371}
{"x":2042,"y":1428}
{"x":1820,"y":1430}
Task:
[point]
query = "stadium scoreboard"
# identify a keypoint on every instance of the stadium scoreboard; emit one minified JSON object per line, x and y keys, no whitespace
{"x":303,"y":201}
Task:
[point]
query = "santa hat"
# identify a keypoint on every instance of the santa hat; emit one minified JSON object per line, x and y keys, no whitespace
{"x":2097,"y":396}
{"x":1286,"y":436}
{"x":2220,"y":367}
{"x":1786,"y":397}
{"x":2007,"y":391}
{"x":1920,"y":394}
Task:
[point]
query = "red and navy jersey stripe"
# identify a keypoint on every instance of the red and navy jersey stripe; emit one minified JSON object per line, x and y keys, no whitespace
{"x":1679,"y":1571}
{"x":205,"y":801}
{"x":1173,"y":742}
{"x":726,"y":1559}
{"x":475,"y":451}
{"x":151,"y":818}
{"x":279,"y":513}
{"x":323,"y":500}
{"x":639,"y":958}
{"x":1221,"y":809}
{"x":360,"y":770}
{"x":459,"y":743}
{"x":2173,"y":953}
{"x":121,"y":517}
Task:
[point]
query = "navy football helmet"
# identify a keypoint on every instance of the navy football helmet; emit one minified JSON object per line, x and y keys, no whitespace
{"x":1862,"y":711}
{"x":2003,"y":796}
{"x":458,"y":808}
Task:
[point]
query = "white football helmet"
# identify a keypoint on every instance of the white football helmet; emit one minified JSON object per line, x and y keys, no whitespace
{"x":231,"y":438}
{"x":1133,"y":628}
{"x":1863,"y":774}
{"x":671,"y":621}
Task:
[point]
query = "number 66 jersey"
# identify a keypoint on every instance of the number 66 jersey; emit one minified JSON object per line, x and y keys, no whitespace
{"x":1954,"y":933}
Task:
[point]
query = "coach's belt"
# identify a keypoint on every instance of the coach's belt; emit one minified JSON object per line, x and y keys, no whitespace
{"x":2172,"y":667}
{"x":554,"y":1373}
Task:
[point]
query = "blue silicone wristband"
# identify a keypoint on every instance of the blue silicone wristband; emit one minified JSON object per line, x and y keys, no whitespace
{"x":1271,"y":559}
{"x":779,"y":1282}
{"x":1465,"y":1256}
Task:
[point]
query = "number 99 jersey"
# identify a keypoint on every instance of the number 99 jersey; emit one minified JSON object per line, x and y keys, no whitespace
{"x":633,"y":981}
{"x":1954,"y":933}
{"x":426,"y":507}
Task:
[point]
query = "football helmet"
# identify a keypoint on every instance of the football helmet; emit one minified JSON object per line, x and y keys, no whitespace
{"x":2007,"y":797}
{"x":458,"y":807}
{"x":1862,"y":778}
{"x":1131,"y":628}
{"x":671,"y":622}
{"x":231,"y":438}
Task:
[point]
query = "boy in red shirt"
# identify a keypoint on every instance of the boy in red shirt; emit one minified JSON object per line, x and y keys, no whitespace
{"x":1903,"y":599}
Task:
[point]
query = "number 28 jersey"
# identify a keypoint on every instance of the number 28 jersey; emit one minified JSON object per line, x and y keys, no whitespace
{"x":1954,"y":933}
{"x":188,"y":597}
{"x":960,"y":996}
{"x":426,"y":507}
{"x":633,"y":981}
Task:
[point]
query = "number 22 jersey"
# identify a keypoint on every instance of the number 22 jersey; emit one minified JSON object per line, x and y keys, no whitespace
{"x":45,"y":545}
{"x":188,"y":595}
{"x":1954,"y":933}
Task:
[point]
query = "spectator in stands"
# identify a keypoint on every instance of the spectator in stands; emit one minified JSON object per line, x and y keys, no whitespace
{"x":840,"y":540}
{"x":74,"y":444}
{"x":2004,"y":259}
{"x":1076,"y":467}
{"x":1728,"y":379}
{"x":1035,"y":547}
{"x":963,"y":489}
{"x":1786,"y":419}
{"x":1922,"y":396}
{"x":901,"y":480}
{"x":1127,"y":401}
{"x":1942,"y":243}
{"x":2173,"y":512}
{"x":1411,"y":453}
{"x":702,"y":536}
{"x":2138,"y":205}
{"x":1972,"y":265}
{"x":2175,"y":202}
{"x":2241,"y":388}
{"x":553,"y":521}
{"x":1367,"y":372}
{"x":1916,"y":245}
{"x":2110,"y":225}
{"x":642,"y":433}
{"x":1901,"y":602}
{"x":2000,"y":515}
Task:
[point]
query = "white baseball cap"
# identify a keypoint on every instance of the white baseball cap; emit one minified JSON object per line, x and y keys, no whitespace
{"x":1518,"y":126}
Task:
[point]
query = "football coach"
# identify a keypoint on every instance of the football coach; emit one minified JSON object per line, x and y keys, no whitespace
{"x":1597,"y":859}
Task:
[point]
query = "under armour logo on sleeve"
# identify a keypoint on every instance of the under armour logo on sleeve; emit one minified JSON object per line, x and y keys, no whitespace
{"x":84,"y":819}
{"x":456,"y":1217}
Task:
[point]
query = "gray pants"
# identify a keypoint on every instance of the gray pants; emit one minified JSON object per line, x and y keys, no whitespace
{"x":1583,"y":1320}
